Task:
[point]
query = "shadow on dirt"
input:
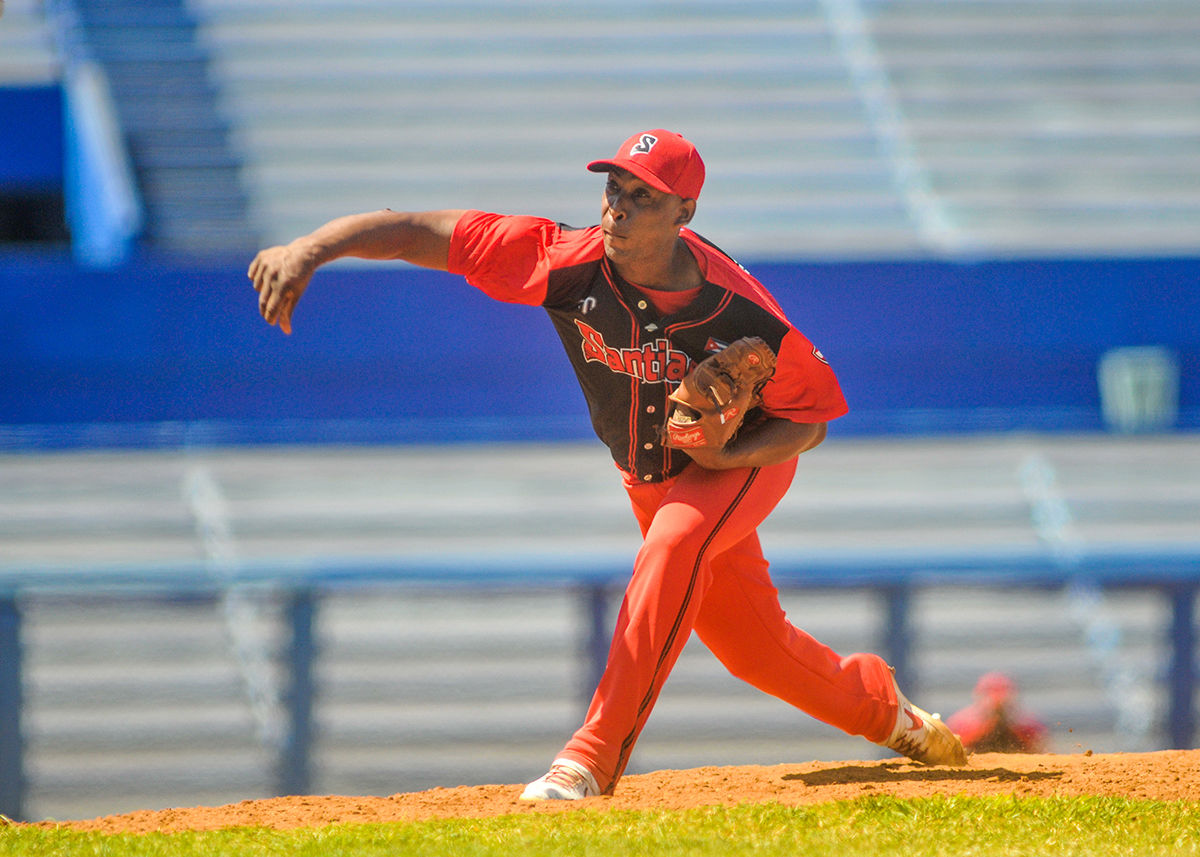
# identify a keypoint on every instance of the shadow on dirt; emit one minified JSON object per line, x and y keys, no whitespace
{"x":900,"y":772}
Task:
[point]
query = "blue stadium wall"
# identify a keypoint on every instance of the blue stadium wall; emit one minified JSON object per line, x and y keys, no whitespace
{"x":31,"y":138}
{"x":160,"y":354}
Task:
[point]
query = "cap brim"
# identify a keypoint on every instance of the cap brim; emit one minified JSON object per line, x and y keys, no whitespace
{"x":632,"y":167}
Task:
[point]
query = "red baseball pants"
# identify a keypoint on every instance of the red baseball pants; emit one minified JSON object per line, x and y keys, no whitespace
{"x":701,"y":568}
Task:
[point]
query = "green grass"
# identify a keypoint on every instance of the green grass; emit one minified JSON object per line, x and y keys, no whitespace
{"x":958,"y":826}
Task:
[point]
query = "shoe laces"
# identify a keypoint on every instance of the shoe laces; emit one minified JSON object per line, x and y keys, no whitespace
{"x":566,"y":777}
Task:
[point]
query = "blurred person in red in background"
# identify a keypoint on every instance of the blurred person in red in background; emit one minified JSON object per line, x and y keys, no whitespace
{"x":995,"y":723}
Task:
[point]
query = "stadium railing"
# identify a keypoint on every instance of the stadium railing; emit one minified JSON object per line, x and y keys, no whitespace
{"x":894,"y":575}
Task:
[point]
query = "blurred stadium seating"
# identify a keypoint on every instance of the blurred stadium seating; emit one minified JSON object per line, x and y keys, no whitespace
{"x":165,"y":690}
{"x":834,"y":129}
{"x":987,"y":128}
{"x":27,"y":54}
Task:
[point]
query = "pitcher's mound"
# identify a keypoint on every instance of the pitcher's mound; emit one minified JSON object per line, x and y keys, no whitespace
{"x":1166,"y":775}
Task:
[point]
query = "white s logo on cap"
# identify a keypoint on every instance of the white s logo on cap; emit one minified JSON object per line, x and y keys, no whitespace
{"x":644,"y":145}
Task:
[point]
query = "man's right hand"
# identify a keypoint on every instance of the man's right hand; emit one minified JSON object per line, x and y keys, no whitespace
{"x":280,"y":276}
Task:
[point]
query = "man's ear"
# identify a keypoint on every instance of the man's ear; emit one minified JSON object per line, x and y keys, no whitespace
{"x":687,"y":210}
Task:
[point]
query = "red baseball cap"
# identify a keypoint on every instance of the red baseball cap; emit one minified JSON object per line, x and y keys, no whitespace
{"x":662,"y":159}
{"x":995,"y":688}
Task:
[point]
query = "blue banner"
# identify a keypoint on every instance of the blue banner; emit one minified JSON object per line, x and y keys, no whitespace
{"x":153,"y":353}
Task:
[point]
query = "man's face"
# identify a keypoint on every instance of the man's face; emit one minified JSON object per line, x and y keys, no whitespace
{"x":638,"y":220}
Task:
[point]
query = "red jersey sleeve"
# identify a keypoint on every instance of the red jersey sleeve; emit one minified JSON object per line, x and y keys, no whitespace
{"x":505,"y":257}
{"x":803,"y":388}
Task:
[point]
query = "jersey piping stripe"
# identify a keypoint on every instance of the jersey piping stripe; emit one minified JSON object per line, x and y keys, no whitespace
{"x":635,"y":339}
{"x":726,"y":299}
{"x":634,"y":381}
{"x":669,"y":643}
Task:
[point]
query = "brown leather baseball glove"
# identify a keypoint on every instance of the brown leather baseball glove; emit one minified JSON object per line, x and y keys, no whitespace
{"x":713,"y":399}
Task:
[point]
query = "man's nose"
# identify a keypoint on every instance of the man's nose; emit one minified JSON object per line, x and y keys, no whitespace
{"x":616,"y":204}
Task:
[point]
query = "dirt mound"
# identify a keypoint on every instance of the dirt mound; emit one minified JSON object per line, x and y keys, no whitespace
{"x":1167,"y":775}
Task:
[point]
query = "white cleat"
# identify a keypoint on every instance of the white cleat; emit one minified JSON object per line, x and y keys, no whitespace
{"x":923,"y":737}
{"x":567,"y":780}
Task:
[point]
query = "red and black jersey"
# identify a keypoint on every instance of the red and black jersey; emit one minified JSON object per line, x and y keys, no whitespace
{"x":627,"y":355}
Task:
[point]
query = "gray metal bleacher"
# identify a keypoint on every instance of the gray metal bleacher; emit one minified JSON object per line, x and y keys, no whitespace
{"x":1063,"y":127}
{"x":162,"y":693}
{"x":27,"y":54}
{"x":831,"y":129}
{"x":188,"y":176}
{"x":497,"y":105}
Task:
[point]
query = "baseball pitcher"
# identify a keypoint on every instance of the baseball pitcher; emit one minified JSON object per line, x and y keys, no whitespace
{"x":704,"y":393}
